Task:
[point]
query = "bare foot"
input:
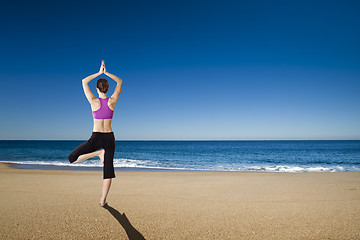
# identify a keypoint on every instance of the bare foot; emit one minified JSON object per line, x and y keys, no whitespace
{"x":101,"y":156}
{"x":103,"y":202}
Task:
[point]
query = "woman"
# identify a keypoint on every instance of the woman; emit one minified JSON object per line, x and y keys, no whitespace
{"x":102,"y":140}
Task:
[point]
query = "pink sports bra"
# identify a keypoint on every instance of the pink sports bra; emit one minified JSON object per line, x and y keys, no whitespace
{"x":104,"y":112}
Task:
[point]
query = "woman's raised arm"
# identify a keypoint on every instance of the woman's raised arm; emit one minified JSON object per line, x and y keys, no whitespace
{"x":85,"y":82}
{"x":117,"y":90}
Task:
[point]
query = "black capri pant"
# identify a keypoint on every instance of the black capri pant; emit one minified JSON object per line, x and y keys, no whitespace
{"x":97,"y":141}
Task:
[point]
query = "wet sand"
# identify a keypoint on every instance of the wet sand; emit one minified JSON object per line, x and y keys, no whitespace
{"x":55,"y":204}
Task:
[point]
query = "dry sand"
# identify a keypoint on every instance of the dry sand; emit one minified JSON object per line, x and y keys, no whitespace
{"x":51,"y":204}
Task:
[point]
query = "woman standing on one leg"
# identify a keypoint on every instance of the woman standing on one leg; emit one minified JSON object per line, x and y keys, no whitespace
{"x":102,"y":140}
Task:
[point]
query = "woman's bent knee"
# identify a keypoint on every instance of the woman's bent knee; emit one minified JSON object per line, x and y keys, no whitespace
{"x":72,"y":158}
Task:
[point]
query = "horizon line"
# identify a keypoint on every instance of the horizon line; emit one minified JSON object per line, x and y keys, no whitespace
{"x":302,"y":139}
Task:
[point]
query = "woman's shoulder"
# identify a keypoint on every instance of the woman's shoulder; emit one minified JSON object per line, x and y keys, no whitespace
{"x":111,"y":103}
{"x":95,"y":103}
{"x":111,"y":100}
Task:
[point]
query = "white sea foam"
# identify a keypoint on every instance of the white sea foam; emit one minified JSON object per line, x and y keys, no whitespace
{"x":288,"y":168}
{"x":124,"y":162}
{"x":56,"y":163}
{"x":148,"y":164}
{"x":88,"y":163}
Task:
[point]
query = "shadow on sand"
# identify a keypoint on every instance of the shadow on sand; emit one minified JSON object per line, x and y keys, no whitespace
{"x":132,"y":233}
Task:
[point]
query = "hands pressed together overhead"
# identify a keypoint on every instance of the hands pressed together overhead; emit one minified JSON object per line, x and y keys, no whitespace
{"x":102,"y":68}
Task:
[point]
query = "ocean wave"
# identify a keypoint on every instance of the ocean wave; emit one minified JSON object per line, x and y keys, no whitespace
{"x":289,"y":168}
{"x":55,"y":163}
{"x":88,"y":163}
{"x":148,"y":164}
{"x":125,"y":162}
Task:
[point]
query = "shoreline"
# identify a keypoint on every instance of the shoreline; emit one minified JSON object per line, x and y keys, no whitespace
{"x":160,"y":169}
{"x":179,"y":205}
{"x":83,"y":168}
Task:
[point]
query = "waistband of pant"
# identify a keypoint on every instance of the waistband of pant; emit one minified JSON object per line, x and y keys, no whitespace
{"x":103,"y":132}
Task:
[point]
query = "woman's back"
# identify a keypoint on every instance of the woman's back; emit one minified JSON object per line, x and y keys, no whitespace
{"x":102,"y":125}
{"x":102,"y":109}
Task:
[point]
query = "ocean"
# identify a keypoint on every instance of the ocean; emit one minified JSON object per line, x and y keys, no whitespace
{"x":242,"y":156}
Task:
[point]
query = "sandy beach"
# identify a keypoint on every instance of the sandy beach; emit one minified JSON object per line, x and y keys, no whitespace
{"x":54,"y":204}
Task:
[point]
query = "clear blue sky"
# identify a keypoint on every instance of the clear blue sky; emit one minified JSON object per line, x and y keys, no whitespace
{"x":191,"y":69}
